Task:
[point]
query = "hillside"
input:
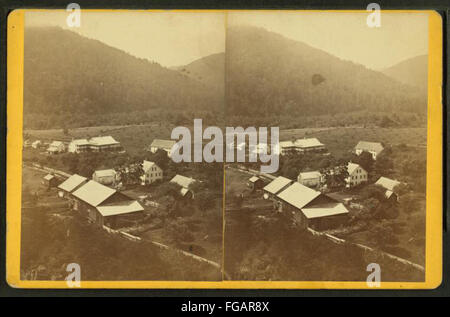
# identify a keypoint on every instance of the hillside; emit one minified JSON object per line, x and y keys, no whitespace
{"x":413,"y":71}
{"x":209,"y":70}
{"x":73,"y":77}
{"x":268,"y":74}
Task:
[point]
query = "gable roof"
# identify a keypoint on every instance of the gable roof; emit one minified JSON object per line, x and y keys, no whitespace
{"x":351,"y":167}
{"x":107,"y":172}
{"x":369,"y":146}
{"x":183,"y":181}
{"x":163,"y":144}
{"x":253,"y":179}
{"x":49,"y":177}
{"x":387,"y":183}
{"x":146,"y":165}
{"x":310,"y":142}
{"x":286,"y":144}
{"x":298,"y":195}
{"x":310,"y":175}
{"x":119,"y":209}
{"x":277,"y":185}
{"x":324,"y":210}
{"x":94,"y":193}
{"x":72,"y":182}
{"x":103,"y":140}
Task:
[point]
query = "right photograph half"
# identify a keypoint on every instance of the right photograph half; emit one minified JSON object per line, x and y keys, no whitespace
{"x":343,"y":96}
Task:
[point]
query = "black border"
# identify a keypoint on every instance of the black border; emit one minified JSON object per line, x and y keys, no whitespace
{"x":443,"y":8}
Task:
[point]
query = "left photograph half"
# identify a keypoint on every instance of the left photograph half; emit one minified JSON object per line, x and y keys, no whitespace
{"x":101,"y":196}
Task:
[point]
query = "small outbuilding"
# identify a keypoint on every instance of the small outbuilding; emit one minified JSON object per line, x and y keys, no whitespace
{"x":49,"y":180}
{"x":255,"y":183}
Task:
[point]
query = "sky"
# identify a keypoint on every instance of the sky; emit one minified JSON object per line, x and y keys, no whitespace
{"x":178,"y":38}
{"x":347,"y":35}
{"x":169,"y":38}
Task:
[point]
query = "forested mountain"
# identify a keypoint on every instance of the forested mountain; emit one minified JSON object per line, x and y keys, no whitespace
{"x":413,"y":71}
{"x":268,"y":74}
{"x":67,"y":74}
{"x":209,"y":70}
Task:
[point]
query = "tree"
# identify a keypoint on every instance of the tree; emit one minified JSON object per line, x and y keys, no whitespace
{"x":365,"y":159}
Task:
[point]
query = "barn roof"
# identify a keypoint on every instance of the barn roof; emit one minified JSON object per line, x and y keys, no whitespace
{"x":56,"y":143}
{"x":369,"y":146}
{"x":277,"y":185}
{"x":310,"y":142}
{"x":72,"y":182}
{"x":298,"y":195}
{"x":387,"y":183}
{"x":103,"y":140}
{"x":94,"y":193}
{"x":324,"y":210}
{"x":163,"y":144}
{"x":310,"y":175}
{"x":120,"y":209}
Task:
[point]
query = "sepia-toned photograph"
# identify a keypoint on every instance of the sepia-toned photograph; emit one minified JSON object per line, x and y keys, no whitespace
{"x":350,"y":102}
{"x":224,"y":146}
{"x":99,"y":186}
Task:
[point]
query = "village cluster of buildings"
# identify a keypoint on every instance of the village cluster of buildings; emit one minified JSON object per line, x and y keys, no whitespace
{"x":311,"y":207}
{"x":94,"y":144}
{"x":101,"y":204}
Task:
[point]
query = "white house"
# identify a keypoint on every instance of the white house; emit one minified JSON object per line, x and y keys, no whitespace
{"x":56,"y":147}
{"x":310,"y":179}
{"x":185,"y":183}
{"x":374,"y":148}
{"x":160,"y":144}
{"x":105,"y":177}
{"x":152,"y":172}
{"x":389,"y":185}
{"x":356,"y":174}
{"x":78,"y":146}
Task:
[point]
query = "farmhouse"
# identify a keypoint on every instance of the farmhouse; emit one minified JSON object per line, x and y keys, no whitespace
{"x":105,"y":177}
{"x":374,"y":148}
{"x":185,"y":183}
{"x":311,"y":208}
{"x":71,"y":184}
{"x":103,"y":205}
{"x":389,"y":185}
{"x":56,"y":147}
{"x":104,"y":143}
{"x":356,"y":174}
{"x":152,"y":172}
{"x":310,"y":179}
{"x":255,"y":183}
{"x":160,"y":144}
{"x":79,"y":146}
{"x":49,"y":180}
